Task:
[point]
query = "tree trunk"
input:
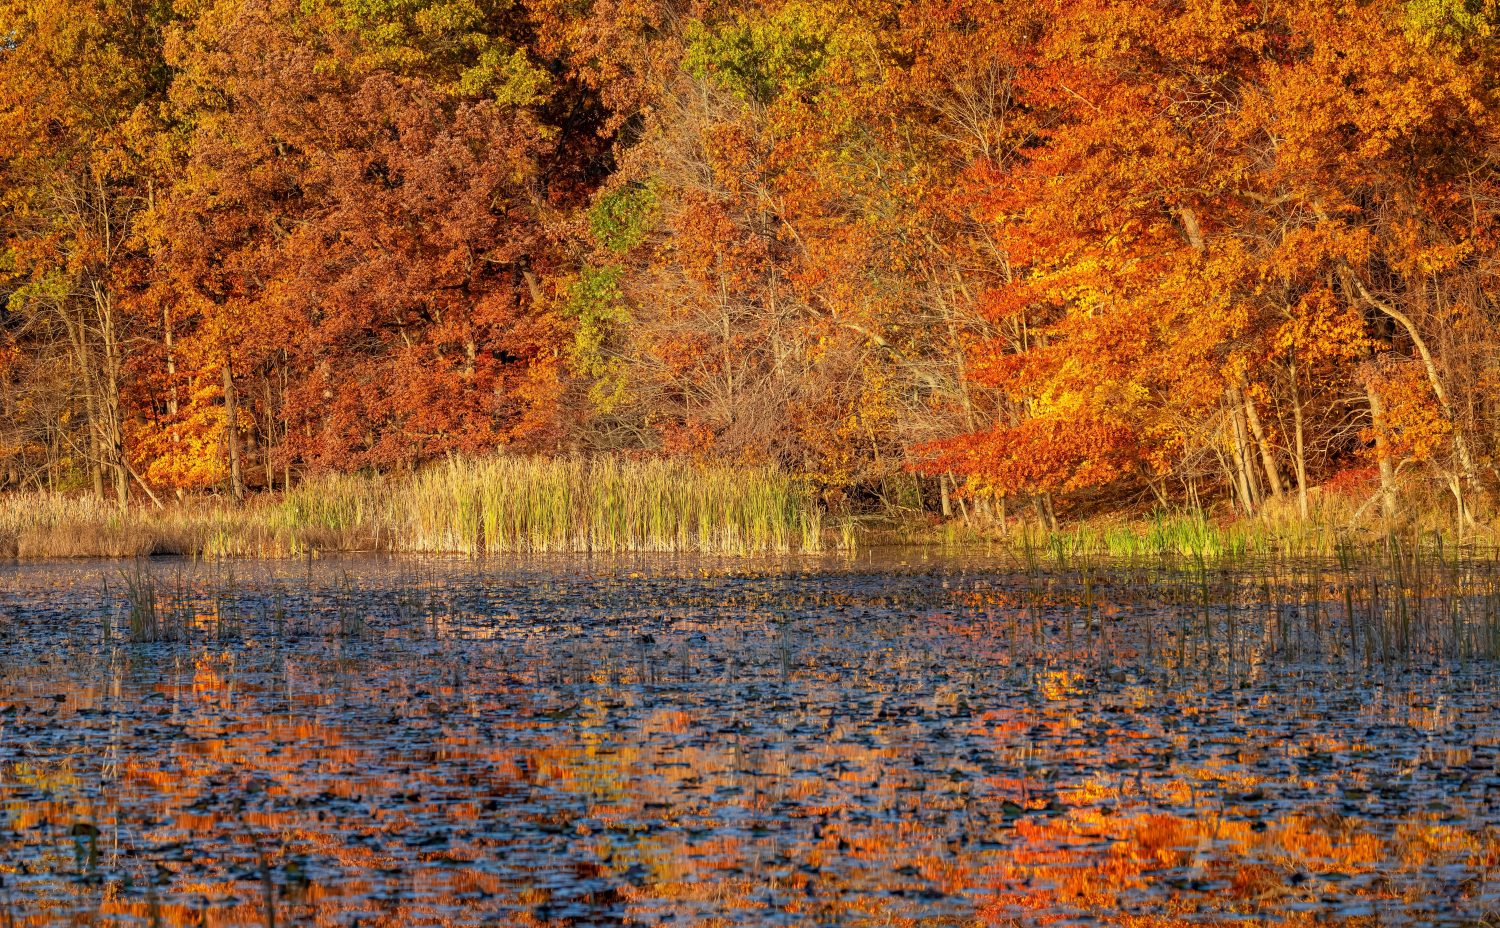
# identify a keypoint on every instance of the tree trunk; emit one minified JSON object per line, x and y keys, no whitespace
{"x":1465,"y":518}
{"x":232,"y":434}
{"x":107,"y":377}
{"x":1460,"y":441}
{"x":1267,"y":457}
{"x":286,"y":428}
{"x":150,"y":494}
{"x":1382,"y":453}
{"x":109,"y":442}
{"x":95,"y":440}
{"x":96,"y":472}
{"x":1244,"y":473}
{"x":1299,"y":449}
{"x":166,"y":328}
{"x":270,"y":427}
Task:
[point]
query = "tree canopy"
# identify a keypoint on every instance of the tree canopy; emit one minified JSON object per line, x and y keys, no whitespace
{"x":1083,"y":252}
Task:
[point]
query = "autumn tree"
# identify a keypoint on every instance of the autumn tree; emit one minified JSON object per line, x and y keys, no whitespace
{"x":1218,"y":203}
{"x":81,"y":83}
{"x":777,"y":284}
{"x":353,"y":242}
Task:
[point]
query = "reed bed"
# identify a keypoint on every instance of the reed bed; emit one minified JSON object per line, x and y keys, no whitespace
{"x":1401,"y":601}
{"x":606,"y":504}
{"x":487,"y":506}
{"x":1192,"y":535}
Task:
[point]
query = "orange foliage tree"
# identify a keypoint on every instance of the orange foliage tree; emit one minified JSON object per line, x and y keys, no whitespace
{"x":354,"y":229}
{"x":1222,"y":212}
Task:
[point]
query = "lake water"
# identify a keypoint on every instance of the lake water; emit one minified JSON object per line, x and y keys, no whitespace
{"x":892,"y":740}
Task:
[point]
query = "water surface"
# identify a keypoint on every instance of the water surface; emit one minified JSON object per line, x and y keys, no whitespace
{"x":572,"y":741}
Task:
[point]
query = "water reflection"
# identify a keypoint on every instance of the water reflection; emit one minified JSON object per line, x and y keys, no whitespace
{"x":603,"y":743}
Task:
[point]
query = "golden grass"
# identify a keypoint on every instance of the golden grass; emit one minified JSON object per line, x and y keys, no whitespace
{"x":605,"y":504}
{"x":494,"y":505}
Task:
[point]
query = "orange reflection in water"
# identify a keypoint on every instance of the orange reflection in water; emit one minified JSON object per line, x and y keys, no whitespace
{"x":719,"y":765}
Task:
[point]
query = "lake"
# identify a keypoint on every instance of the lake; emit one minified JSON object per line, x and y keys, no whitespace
{"x":895,"y":739}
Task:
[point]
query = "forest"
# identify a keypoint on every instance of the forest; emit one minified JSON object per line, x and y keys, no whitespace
{"x":1070,"y":256}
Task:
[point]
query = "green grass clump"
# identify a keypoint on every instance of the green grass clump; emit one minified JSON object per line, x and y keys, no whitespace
{"x":148,"y":618}
{"x":1195,"y":536}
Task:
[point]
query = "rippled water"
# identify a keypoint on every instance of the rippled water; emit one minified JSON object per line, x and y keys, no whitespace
{"x":610,"y":742}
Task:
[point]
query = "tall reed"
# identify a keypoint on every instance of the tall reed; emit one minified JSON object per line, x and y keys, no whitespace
{"x":492,"y":505}
{"x":606,"y":504}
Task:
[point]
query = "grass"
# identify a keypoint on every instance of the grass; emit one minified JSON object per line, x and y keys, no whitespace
{"x":1403,"y":602}
{"x":149,"y":619}
{"x":1217,"y":614}
{"x":1341,"y":588}
{"x":495,"y":505}
{"x":507,"y":504}
{"x":1277,"y":531}
{"x":521,"y":504}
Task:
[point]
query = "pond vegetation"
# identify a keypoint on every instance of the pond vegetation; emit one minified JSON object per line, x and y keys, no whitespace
{"x":491,"y":505}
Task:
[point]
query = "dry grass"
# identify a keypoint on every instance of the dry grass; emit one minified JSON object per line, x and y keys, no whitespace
{"x":493,"y":505}
{"x":507,"y":504}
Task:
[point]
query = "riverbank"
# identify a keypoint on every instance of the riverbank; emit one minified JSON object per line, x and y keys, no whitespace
{"x":519,"y":504}
{"x":1331,"y":528}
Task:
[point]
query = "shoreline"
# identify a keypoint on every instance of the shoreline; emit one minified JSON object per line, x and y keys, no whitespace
{"x":576,"y":504}
{"x":211,"y":529}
